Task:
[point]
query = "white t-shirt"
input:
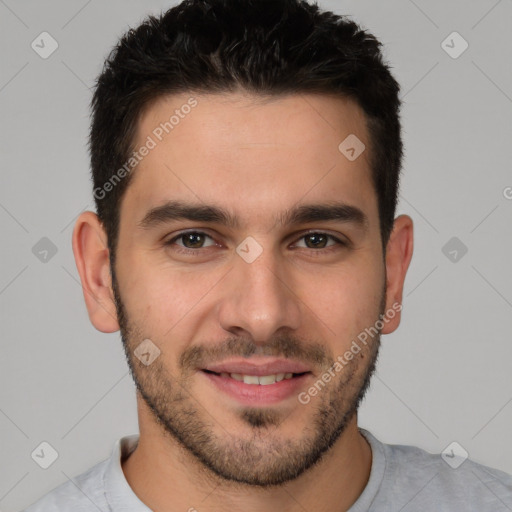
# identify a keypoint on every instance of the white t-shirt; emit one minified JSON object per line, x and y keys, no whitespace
{"x":402,"y":478}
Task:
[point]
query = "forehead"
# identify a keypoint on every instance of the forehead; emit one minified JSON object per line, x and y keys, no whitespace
{"x":251,"y":154}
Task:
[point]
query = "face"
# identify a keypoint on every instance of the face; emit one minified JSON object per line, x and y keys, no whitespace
{"x":249,"y":254}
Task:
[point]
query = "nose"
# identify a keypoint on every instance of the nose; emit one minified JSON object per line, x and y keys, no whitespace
{"x":259,"y":299}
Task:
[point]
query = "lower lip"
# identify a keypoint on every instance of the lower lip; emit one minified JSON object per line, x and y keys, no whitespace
{"x":256,"y":394}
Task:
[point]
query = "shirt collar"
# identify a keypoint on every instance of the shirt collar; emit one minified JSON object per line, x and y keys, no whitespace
{"x":118,"y":493}
{"x":120,"y":496}
{"x":367,"y":497}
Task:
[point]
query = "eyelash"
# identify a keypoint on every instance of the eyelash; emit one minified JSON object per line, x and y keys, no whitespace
{"x":184,"y":250}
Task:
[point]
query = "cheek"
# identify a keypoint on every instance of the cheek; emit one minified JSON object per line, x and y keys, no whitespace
{"x":158,"y":298}
{"x":347,"y":300}
{"x":162,"y":300}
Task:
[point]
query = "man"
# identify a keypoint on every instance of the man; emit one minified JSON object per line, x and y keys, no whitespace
{"x":246,"y":159}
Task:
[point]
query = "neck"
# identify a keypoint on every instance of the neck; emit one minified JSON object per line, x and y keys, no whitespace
{"x":166,"y":477}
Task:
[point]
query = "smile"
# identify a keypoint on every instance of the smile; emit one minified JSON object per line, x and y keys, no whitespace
{"x":257,"y":390}
{"x":262,"y":380}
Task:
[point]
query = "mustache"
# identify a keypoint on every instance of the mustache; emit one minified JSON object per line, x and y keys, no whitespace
{"x":311,"y":353}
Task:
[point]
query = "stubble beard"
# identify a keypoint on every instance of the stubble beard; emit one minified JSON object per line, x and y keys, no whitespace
{"x":263,"y":458}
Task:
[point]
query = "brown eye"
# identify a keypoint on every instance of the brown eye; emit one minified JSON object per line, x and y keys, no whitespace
{"x":191,"y":240}
{"x":318,"y":240}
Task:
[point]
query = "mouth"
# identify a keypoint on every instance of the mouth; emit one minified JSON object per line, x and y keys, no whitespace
{"x":266,"y":383}
{"x":261,"y":380}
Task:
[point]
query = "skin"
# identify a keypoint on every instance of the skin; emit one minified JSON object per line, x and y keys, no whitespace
{"x":255,"y":158}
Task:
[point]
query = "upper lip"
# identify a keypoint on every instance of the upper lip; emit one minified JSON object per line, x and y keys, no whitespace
{"x":266,"y":366}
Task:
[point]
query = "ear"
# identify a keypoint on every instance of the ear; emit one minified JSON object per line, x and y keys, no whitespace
{"x":92,"y":260}
{"x":398,"y":256}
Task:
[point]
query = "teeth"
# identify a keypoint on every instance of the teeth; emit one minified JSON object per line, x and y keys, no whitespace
{"x":264,"y":380}
{"x":267,"y":379}
{"x":251,"y":379}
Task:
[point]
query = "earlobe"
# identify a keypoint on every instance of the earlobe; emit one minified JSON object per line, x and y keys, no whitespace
{"x":93,"y":263}
{"x":398,"y":256}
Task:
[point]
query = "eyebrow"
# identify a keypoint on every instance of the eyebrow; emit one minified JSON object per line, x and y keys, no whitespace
{"x":302,"y":214}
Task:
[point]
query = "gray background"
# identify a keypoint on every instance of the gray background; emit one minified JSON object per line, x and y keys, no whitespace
{"x":444,"y":376}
